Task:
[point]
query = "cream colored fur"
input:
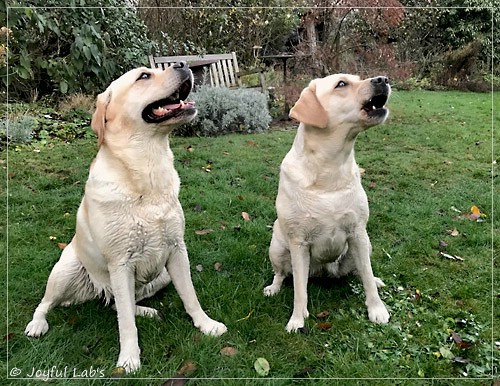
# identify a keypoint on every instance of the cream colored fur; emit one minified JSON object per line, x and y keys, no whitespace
{"x":322,"y":207}
{"x":129,"y":239}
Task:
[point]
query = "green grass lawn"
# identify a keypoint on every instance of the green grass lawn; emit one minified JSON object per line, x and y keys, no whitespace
{"x":424,"y":170}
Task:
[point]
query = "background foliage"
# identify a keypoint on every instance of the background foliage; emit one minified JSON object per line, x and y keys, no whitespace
{"x":66,"y":47}
{"x":61,"y":47}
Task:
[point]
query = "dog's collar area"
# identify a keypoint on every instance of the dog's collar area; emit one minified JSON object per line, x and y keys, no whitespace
{"x":170,"y":107}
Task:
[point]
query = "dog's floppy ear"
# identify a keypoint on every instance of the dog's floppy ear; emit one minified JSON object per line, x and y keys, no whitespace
{"x":308,"y":110}
{"x":99,"y":118}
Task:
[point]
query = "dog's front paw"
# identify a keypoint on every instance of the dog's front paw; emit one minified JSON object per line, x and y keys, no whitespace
{"x":378,"y":313}
{"x":213,"y":328}
{"x":130,"y":362}
{"x":295,"y":324}
{"x":271,"y":290}
{"x":36,"y":328}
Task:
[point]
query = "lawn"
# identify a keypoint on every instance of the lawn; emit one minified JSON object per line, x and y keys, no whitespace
{"x":424,"y":170}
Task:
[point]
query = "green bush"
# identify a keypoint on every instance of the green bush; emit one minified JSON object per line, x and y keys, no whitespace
{"x":222,"y":110}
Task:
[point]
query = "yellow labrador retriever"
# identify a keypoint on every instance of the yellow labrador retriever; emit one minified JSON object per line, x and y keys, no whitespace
{"x":129,"y":239}
{"x":322,"y":207}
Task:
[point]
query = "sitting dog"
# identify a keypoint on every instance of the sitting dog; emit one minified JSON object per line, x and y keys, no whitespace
{"x":129,"y":239}
{"x":322,"y":207}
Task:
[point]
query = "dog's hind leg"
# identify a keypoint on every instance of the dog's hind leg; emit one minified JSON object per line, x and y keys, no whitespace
{"x":280,"y":260}
{"x":149,"y":290}
{"x":68,"y":283}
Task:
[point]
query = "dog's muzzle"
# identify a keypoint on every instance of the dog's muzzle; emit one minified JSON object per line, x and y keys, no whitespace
{"x":173,"y":106}
{"x":375,"y":106}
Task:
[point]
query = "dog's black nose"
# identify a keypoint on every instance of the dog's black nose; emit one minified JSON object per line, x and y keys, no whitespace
{"x":380,"y":80}
{"x":180,"y":65}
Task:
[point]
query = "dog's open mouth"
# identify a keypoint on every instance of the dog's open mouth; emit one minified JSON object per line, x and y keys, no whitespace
{"x":170,"y":107}
{"x":375,"y":106}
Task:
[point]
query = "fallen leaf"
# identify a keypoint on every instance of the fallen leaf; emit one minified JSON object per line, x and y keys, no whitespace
{"x":218,"y":266}
{"x":203,"y":232}
{"x":446,"y":353}
{"x":362,"y":172}
{"x":187,"y":368}
{"x":199,"y":268}
{"x":262,"y":367}
{"x":442,"y":244}
{"x":453,"y":232}
{"x":245,"y":216}
{"x":62,"y":245}
{"x":459,"y":342}
{"x":372,"y":184}
{"x":118,"y":372}
{"x":324,"y":326}
{"x":9,"y":336}
{"x":475,"y":214}
{"x":322,"y":314}
{"x":229,"y":351}
{"x":251,"y":143}
{"x":190,"y":149}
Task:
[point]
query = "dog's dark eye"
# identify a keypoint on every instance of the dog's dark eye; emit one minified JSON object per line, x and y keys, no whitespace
{"x":341,"y":84}
{"x":144,"y":75}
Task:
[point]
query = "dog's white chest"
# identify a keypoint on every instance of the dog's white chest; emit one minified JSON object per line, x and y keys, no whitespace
{"x":153,"y":234}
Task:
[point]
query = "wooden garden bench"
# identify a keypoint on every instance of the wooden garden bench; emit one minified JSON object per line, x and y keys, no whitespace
{"x":223,"y":70}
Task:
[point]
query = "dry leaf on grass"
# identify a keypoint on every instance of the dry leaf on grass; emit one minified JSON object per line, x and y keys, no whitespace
{"x":324,"y":326}
{"x":229,"y":351}
{"x":323,"y":315}
{"x":203,"y":232}
{"x":245,"y":216}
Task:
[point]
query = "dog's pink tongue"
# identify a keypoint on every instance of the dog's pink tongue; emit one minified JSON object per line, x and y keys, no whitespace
{"x":172,"y":107}
{"x":160,"y":111}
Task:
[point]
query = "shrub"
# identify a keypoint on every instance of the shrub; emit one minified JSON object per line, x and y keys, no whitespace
{"x":18,"y":130}
{"x":222,"y":111}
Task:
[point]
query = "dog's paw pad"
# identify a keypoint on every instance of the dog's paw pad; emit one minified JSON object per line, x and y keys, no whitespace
{"x":36,"y":328}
